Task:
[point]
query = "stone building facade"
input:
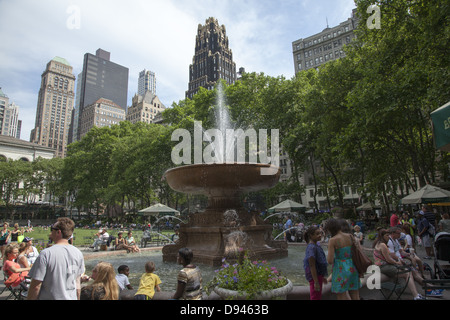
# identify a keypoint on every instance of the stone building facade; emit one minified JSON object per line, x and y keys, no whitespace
{"x":145,"y":108}
{"x":324,"y":46}
{"x":54,"y":106}
{"x":101,"y":113}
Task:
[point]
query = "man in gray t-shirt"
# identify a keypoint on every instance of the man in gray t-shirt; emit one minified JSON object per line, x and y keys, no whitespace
{"x":56,"y":273}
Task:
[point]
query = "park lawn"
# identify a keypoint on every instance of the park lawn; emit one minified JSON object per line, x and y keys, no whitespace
{"x":82,"y":237}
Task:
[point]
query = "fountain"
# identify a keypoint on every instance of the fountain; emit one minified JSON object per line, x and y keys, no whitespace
{"x":225,"y":225}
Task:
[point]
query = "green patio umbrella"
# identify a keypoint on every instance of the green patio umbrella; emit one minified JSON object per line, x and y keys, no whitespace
{"x":441,"y":127}
{"x":287,"y":205}
{"x":159,"y":209}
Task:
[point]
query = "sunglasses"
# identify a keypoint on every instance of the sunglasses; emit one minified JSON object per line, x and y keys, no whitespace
{"x":52,"y":228}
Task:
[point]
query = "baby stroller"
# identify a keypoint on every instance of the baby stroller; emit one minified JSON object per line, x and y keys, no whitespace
{"x":442,"y":255}
{"x":441,"y":273}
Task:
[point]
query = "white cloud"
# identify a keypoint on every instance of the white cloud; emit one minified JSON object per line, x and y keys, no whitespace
{"x":158,"y":35}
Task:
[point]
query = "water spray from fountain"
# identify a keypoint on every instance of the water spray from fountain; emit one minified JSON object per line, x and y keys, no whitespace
{"x":231,"y":218}
{"x":221,"y":172}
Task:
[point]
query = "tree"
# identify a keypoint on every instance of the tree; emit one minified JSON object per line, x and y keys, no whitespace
{"x":14,"y":175}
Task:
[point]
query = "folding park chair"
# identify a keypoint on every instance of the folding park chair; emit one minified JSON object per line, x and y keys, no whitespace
{"x":19,"y":292}
{"x":396,"y":284}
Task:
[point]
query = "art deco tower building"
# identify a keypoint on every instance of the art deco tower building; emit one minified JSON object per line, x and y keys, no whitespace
{"x":54,"y":107}
{"x":213,"y":59}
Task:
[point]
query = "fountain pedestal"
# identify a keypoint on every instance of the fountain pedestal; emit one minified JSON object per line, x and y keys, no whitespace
{"x":225,"y":226}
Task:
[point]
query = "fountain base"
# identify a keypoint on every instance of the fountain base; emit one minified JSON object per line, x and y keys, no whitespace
{"x":220,"y":232}
{"x":212,"y":237}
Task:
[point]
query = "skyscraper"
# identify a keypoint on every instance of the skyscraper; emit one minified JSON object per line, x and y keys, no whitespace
{"x":146,"y":82}
{"x":54,"y":106}
{"x":213,"y":59}
{"x":99,"y":79}
{"x":10,"y":125}
{"x":4,"y":103}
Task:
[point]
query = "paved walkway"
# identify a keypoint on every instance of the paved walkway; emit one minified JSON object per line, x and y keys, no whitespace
{"x":420,"y":251}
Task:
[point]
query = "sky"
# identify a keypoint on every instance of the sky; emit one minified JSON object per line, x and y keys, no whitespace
{"x":157,"y":35}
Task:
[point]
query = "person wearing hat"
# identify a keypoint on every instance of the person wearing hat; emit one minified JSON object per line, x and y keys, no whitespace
{"x":423,"y":227}
{"x":30,"y":252}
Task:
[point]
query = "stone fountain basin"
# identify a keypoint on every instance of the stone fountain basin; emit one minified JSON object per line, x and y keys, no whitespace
{"x":221,"y":180}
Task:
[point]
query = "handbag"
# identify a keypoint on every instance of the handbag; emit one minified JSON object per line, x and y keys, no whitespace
{"x":360,"y":260}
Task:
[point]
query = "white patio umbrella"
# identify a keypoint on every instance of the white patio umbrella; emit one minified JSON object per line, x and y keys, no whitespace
{"x":427,"y":194}
{"x":287,"y":205}
{"x":158,"y":209}
{"x":367,"y":206}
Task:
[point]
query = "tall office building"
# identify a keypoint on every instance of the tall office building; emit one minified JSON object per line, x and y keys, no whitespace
{"x":100,"y":78}
{"x":146,"y":82}
{"x":325,"y":46}
{"x":213,"y":59}
{"x":10,"y":125}
{"x":4,"y":103}
{"x":54,"y":107}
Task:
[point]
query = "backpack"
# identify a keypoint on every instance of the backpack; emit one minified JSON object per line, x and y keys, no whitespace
{"x":431,"y":230}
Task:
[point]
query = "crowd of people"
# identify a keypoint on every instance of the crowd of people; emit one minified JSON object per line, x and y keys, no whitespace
{"x":58,"y":272}
{"x":120,"y":242}
{"x":393,"y":248}
{"x":17,"y":235}
{"x":44,"y":275}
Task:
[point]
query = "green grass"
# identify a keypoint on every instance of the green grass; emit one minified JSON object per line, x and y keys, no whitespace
{"x":82,"y":237}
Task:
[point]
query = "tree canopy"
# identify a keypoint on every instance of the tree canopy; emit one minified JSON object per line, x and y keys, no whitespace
{"x":362,"y":121}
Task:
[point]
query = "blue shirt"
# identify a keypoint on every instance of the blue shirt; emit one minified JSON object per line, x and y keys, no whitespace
{"x":423,"y":224}
{"x":288,"y":224}
{"x":316,"y":251}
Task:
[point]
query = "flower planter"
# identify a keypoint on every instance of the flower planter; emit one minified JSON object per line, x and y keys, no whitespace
{"x":279,"y":293}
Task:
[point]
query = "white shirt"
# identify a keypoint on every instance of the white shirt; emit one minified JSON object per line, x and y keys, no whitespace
{"x":58,"y":267}
{"x":122,"y":280}
{"x":394,"y":247}
{"x":32,"y":256}
{"x":104,"y":237}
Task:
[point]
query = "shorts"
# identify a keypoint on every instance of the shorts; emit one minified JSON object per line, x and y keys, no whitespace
{"x":426,"y":240}
{"x":389,"y":269}
{"x":142,"y":297}
{"x":315,"y":295}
